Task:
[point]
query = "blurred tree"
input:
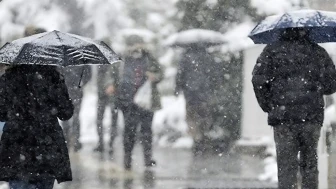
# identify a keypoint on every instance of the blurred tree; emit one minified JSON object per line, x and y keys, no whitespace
{"x":218,"y":15}
{"x":16,"y":15}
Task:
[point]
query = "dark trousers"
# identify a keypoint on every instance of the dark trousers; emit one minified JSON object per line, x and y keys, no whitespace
{"x":104,"y":101}
{"x":45,"y":184}
{"x":290,"y":140}
{"x":135,"y":116}
{"x":71,"y":127}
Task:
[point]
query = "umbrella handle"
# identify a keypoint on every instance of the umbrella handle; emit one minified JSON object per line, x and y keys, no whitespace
{"x":80,"y":79}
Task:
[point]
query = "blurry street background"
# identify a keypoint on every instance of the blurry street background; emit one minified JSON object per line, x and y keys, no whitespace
{"x":249,"y":164}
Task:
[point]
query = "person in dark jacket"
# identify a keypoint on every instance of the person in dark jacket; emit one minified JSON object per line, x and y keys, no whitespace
{"x":76,"y":77}
{"x":289,"y":79}
{"x":33,"y":152}
{"x":105,"y":100}
{"x":138,"y":66}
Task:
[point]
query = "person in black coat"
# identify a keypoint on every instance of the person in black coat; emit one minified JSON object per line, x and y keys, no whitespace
{"x":289,"y":79}
{"x":33,"y":152}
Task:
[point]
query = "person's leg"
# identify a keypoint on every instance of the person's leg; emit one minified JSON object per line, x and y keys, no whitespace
{"x":147,"y":136}
{"x":114,"y":127}
{"x":194,"y":120}
{"x":45,"y":184}
{"x":130,"y":130}
{"x":16,"y":184}
{"x":102,"y":101}
{"x":308,"y":148}
{"x":286,"y":143}
{"x":76,"y":122}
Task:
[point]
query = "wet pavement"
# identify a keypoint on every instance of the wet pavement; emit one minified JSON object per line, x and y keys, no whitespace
{"x":176,"y":168}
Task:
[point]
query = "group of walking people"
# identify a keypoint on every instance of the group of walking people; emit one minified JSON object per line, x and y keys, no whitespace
{"x":290,"y":78}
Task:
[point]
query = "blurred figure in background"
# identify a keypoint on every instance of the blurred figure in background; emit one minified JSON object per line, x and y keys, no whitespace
{"x":106,"y":99}
{"x":201,"y":78}
{"x":76,"y":77}
{"x":138,"y":66}
{"x":32,"y":30}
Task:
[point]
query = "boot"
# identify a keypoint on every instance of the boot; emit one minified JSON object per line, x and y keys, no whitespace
{"x":78,"y":146}
{"x":128,"y":161}
{"x":99,"y":148}
{"x":150,"y":163}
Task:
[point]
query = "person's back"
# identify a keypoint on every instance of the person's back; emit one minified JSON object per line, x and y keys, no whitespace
{"x":37,"y":89}
{"x":33,"y":147}
{"x":293,"y":86}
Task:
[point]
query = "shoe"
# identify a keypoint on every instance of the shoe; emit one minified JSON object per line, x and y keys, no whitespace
{"x":99,"y":148}
{"x":151,"y":163}
{"x":77,"y":147}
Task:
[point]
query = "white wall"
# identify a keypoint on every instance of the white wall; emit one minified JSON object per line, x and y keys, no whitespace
{"x":254,"y":123}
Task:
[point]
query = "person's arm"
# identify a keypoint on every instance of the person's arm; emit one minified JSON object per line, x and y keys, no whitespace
{"x":65,"y":108}
{"x":261,"y":80}
{"x":154,"y":72}
{"x":180,"y":77}
{"x":328,"y":72}
{"x":3,"y":100}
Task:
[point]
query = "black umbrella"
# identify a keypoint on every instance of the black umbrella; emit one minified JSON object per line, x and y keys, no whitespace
{"x":57,"y":48}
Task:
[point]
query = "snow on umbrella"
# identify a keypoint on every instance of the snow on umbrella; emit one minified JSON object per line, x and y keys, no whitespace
{"x":195,"y":37}
{"x":320,"y":24}
{"x":57,"y":48}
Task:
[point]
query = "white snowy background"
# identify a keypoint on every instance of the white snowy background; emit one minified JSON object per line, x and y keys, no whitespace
{"x":108,"y":19}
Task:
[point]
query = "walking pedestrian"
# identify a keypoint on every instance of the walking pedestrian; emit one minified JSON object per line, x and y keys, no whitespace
{"x":33,"y":152}
{"x":104,"y":100}
{"x":76,"y":77}
{"x":138,"y":66}
{"x":289,"y":79}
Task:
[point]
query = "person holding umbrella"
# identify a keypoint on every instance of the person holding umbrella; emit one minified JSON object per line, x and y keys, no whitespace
{"x":33,"y":151}
{"x":33,"y":96}
{"x":200,"y":78}
{"x":290,"y":78}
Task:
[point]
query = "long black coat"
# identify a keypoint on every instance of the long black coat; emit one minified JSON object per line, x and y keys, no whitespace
{"x":290,"y":79}
{"x":32,"y":145}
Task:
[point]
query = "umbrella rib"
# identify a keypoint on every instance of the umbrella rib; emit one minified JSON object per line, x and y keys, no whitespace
{"x":286,"y":14}
{"x":87,"y":57}
{"x":58,"y":37}
{"x":319,"y":19}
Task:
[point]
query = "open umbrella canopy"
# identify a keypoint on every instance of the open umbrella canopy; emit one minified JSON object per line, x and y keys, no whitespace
{"x":195,"y":37}
{"x":57,"y":48}
{"x":320,"y":24}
